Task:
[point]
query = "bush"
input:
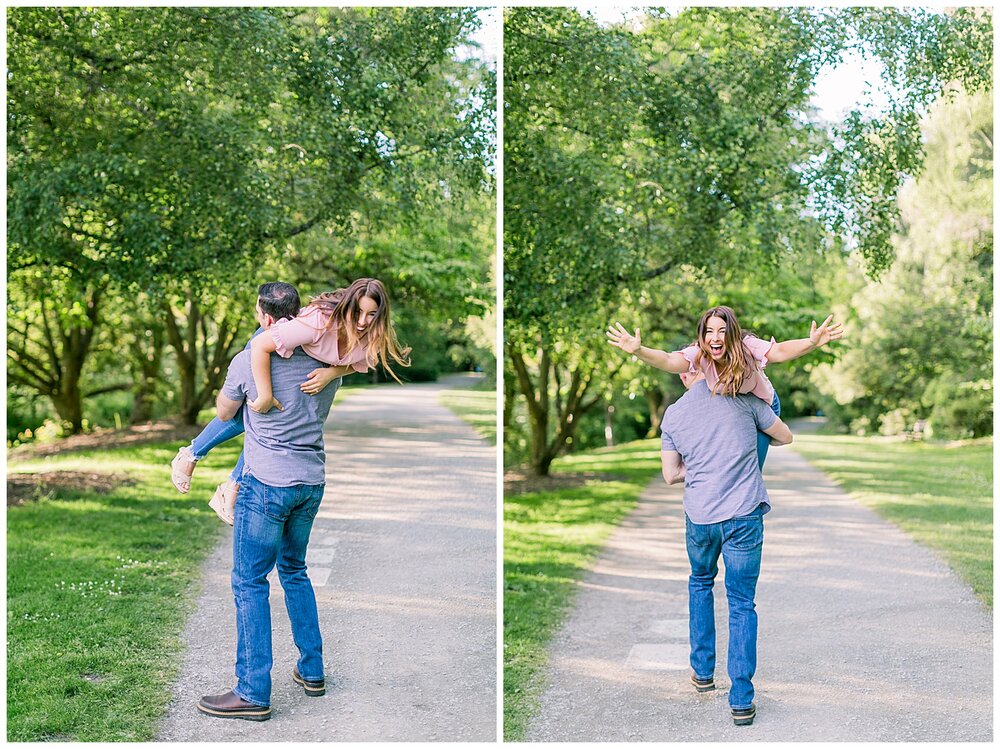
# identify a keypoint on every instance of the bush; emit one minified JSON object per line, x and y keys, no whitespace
{"x":109,"y":409}
{"x":429,"y":358}
{"x":894,"y":422}
{"x":962,"y":410}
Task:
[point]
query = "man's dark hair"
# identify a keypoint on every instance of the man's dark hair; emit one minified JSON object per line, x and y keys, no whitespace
{"x":278,"y":299}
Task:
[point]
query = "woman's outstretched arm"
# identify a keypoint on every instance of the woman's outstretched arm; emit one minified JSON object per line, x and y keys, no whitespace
{"x":632,"y":344}
{"x":793,"y":349}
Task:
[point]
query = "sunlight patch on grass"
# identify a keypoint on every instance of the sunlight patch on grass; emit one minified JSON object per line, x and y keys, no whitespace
{"x":550,"y":539}
{"x":476,"y":407}
{"x":98,"y":588}
{"x":941,"y":494}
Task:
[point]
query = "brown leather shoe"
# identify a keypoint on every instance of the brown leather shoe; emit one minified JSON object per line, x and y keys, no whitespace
{"x":313,"y":688}
{"x":230,"y":705}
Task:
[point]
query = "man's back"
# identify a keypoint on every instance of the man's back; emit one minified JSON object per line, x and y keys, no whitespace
{"x":716,"y":437}
{"x":283,"y":448}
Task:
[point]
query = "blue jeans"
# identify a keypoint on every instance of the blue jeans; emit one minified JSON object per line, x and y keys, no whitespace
{"x":272,"y":526}
{"x":740,"y":541}
{"x":216,"y":432}
{"x":763,"y":441}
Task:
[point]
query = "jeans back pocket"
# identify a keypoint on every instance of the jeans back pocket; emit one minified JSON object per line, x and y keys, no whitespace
{"x":747,"y":532}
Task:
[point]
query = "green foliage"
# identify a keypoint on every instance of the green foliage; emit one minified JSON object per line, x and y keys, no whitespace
{"x":960,"y":410}
{"x":430,"y":349}
{"x":686,"y":147}
{"x":163,"y":155}
{"x":153,"y":143}
{"x":570,"y":104}
{"x":921,"y":341}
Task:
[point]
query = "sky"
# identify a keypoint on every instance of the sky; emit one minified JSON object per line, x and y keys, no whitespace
{"x":487,"y":34}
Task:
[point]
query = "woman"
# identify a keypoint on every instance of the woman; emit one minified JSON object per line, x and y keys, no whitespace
{"x":349,"y":330}
{"x":730,"y":360}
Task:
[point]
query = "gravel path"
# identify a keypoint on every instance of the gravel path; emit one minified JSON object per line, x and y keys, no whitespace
{"x":864,"y":635}
{"x":403,"y":561}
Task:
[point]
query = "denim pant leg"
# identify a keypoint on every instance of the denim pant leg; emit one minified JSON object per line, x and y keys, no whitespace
{"x":300,"y":601}
{"x":256,"y":539}
{"x":703,"y":548}
{"x":741,"y":551}
{"x":215,"y":433}
{"x":237,"y":472}
{"x":763,"y":441}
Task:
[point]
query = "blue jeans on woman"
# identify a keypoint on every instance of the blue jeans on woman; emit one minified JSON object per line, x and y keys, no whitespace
{"x":272,"y":525}
{"x":740,"y":541}
{"x":763,"y":441}
{"x":216,"y":432}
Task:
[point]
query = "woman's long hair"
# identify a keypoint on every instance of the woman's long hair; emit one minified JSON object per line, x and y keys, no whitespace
{"x":736,"y":363}
{"x":379,"y":338}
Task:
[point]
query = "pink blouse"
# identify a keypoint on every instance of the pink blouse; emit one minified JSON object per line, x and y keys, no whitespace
{"x":757,"y":383}
{"x":309,"y":331}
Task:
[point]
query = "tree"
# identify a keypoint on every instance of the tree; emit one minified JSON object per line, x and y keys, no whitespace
{"x":65,"y":310}
{"x":688,"y":144}
{"x":924,"y":332}
{"x":162,"y":150}
{"x":570,"y":103}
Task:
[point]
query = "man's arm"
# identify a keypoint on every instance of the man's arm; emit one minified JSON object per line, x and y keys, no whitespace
{"x":674,"y":470}
{"x":226,"y":408}
{"x":779,"y":433}
{"x":233,"y":391}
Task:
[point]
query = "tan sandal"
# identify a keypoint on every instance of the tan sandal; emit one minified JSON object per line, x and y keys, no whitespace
{"x":224,"y":500}
{"x":180,"y":478}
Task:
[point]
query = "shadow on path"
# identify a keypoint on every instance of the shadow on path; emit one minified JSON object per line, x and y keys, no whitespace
{"x":403,"y":561}
{"x":864,"y":635}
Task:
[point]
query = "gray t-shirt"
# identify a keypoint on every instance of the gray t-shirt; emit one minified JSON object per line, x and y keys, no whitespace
{"x":717,"y":439}
{"x":283,"y":448}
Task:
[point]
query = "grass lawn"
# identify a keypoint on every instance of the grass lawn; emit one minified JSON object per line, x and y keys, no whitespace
{"x":550,"y":538}
{"x":98,"y":589}
{"x":940,"y":494}
{"x":475,"y":406}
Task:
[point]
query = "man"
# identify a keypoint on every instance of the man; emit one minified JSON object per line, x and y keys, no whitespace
{"x":275,"y":301}
{"x":710,"y":443}
{"x":280,"y":492}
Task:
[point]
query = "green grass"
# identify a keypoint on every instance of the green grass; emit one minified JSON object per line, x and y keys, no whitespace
{"x":941,"y":495}
{"x":550,"y":539}
{"x":98,"y":590}
{"x":474,"y":406}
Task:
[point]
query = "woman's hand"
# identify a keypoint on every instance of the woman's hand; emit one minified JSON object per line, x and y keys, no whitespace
{"x":319,"y":379}
{"x":623,"y":339}
{"x":825,"y":333}
{"x":265,"y":404}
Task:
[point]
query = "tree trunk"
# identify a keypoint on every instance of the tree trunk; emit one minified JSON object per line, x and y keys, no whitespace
{"x":656,"y":402}
{"x":567,"y":405}
{"x":509,"y":394}
{"x":52,"y":360}
{"x":147,"y":362}
{"x":68,"y":402}
{"x":193,"y":348}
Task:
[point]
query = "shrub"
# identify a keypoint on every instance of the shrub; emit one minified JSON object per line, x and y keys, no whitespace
{"x":963,"y":410}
